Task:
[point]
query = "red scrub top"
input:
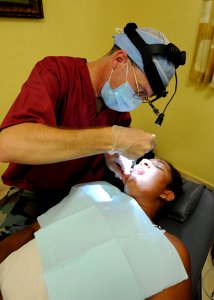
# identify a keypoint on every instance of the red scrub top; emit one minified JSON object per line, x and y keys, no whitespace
{"x":59,"y":93}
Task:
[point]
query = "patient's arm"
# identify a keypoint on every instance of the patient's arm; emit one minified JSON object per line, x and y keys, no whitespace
{"x":182,"y":290}
{"x":16,"y":240}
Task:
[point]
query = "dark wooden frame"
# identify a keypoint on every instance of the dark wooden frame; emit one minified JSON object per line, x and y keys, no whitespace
{"x":30,"y":9}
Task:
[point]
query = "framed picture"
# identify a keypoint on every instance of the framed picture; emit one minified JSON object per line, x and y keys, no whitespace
{"x":21,"y":8}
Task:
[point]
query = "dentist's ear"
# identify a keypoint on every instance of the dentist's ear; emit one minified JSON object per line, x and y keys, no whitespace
{"x":119,"y":57}
{"x":167,"y":195}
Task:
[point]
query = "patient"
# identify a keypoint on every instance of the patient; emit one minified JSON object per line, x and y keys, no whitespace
{"x":152,"y":183}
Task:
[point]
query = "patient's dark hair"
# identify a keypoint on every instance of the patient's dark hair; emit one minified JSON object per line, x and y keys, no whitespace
{"x":176,"y":184}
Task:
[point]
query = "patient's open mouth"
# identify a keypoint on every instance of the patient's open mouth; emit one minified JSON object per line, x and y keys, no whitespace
{"x":138,"y":171}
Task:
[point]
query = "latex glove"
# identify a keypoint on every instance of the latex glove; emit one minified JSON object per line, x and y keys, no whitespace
{"x":118,"y":164}
{"x":131,"y":142}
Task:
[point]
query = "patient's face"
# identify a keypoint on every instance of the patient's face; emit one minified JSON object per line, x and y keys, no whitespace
{"x":149,"y":178}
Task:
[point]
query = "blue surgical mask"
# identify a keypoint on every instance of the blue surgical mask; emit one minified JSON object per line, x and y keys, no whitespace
{"x":122,"y":98}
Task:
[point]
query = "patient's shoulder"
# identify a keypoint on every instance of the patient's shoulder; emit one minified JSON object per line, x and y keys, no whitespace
{"x":181,"y":249}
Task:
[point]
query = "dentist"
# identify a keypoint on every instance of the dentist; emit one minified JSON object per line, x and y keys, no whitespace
{"x":70,"y":117}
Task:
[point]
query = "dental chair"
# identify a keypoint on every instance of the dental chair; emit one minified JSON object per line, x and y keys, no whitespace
{"x":192,"y":220}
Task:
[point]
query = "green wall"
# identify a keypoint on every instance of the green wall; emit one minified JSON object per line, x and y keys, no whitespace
{"x":85,"y":28}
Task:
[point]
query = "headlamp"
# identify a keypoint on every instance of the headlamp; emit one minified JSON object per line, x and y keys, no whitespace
{"x":147,"y":51}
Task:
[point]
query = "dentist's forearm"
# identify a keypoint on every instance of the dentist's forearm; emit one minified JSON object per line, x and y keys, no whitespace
{"x":30,"y":143}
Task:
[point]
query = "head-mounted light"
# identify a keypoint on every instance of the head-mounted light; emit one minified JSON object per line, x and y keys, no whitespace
{"x":147,"y":52}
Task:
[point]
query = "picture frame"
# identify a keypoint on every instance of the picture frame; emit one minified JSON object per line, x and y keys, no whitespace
{"x":21,"y":9}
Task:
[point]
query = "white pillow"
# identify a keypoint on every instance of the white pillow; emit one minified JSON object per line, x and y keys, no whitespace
{"x":20,"y":281}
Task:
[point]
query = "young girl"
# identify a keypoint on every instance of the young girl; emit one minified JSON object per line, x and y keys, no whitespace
{"x":151,"y":185}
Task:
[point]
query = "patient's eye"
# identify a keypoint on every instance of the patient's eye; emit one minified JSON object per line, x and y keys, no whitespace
{"x":159,"y":165}
{"x":159,"y":168}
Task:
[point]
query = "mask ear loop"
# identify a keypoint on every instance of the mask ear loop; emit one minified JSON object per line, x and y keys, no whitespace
{"x":135,"y":77}
{"x":110,"y":76}
{"x":127,"y":69}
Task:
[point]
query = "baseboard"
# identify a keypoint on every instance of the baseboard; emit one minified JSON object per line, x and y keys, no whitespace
{"x":195,"y":179}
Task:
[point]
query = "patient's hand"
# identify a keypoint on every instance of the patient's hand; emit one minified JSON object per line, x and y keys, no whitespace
{"x":17,"y":240}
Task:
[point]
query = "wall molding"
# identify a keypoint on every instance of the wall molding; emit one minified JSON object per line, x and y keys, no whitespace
{"x":195,"y":179}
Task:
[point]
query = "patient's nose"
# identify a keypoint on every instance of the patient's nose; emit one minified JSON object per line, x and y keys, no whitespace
{"x":146,"y":162}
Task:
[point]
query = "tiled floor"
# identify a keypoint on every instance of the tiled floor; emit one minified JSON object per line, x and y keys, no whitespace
{"x":209,"y":281}
{"x":3,"y":190}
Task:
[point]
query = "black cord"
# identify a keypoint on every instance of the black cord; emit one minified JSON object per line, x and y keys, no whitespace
{"x":176,"y":84}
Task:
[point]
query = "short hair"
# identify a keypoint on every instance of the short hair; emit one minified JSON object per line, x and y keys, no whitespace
{"x":113,"y":49}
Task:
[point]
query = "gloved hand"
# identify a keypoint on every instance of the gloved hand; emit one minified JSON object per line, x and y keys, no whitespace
{"x":131,"y":142}
{"x":118,"y":164}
